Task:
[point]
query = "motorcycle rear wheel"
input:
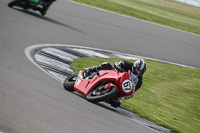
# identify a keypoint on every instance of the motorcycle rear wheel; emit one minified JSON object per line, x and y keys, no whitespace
{"x":69,"y":83}
{"x":100,"y":95}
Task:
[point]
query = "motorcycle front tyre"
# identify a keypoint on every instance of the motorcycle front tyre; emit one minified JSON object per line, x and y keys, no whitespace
{"x":68,"y":84}
{"x":13,"y":3}
{"x":106,"y":96}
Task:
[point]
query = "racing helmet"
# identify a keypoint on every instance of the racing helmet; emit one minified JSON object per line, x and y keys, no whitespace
{"x":139,"y":67}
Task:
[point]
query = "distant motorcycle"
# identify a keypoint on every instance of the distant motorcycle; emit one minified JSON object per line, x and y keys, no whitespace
{"x":103,"y":85}
{"x":36,"y":5}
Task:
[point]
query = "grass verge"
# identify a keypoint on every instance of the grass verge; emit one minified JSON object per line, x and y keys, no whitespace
{"x":166,"y":12}
{"x":169,"y":95}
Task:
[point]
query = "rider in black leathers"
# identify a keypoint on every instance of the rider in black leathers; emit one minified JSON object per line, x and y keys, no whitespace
{"x":138,"y":68}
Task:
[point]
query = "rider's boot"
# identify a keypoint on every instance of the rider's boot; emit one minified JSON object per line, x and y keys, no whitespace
{"x":45,"y":7}
{"x":103,"y":66}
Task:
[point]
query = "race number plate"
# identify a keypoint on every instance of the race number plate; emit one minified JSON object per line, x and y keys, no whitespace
{"x":127,"y":86}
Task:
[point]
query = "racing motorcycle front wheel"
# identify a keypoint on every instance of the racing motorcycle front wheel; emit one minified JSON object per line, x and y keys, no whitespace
{"x":101,"y":94}
{"x":13,"y":3}
{"x":68,"y":84}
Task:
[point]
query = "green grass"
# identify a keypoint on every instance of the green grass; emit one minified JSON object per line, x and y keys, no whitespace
{"x":166,"y":12}
{"x":169,"y":96}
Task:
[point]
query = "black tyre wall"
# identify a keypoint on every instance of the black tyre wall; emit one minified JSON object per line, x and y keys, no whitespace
{"x":106,"y":96}
{"x":69,"y":83}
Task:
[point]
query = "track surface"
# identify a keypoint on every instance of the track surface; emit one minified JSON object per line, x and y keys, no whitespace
{"x":31,"y":101}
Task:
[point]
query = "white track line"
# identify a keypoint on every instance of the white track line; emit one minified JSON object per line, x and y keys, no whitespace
{"x":29,"y":51}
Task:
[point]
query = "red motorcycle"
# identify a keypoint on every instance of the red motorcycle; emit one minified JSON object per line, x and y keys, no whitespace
{"x":103,"y":85}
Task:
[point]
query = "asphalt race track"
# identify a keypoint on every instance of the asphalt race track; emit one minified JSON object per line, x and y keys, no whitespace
{"x":33,"y":102}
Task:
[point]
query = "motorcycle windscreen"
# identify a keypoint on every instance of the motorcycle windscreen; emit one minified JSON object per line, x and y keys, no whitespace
{"x":33,"y":2}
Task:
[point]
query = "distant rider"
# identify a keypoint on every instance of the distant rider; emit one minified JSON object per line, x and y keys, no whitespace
{"x":138,"y":68}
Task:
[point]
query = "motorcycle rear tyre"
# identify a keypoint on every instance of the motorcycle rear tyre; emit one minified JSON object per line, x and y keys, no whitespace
{"x":69,"y":83}
{"x":94,"y":99}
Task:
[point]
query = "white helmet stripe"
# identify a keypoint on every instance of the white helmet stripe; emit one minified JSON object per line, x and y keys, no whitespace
{"x":142,"y":64}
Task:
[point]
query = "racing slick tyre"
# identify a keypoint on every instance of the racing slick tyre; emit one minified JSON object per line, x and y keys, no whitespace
{"x":69,"y":83}
{"x":101,"y":94}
